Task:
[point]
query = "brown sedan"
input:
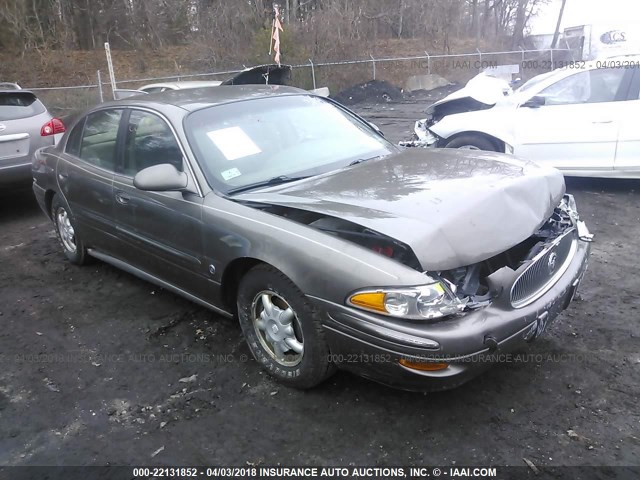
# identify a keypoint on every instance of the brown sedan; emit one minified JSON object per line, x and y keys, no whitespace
{"x":333,"y":247}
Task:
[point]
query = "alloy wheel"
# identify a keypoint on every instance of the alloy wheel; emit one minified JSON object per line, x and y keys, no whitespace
{"x":66,"y":231}
{"x":278,"y":328}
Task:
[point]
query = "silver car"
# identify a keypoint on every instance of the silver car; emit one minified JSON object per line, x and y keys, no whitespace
{"x":25,"y":126}
{"x":331,"y":246}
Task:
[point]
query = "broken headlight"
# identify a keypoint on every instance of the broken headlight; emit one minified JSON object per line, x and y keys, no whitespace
{"x":423,"y":302}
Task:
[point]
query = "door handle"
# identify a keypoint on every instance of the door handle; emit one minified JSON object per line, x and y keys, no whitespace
{"x":603,"y":122}
{"x":122,"y":199}
{"x":63,"y":176}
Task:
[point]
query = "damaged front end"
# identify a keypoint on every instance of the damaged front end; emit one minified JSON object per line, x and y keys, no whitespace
{"x":424,"y":137}
{"x":482,"y":92}
{"x":528,"y":269}
{"x":349,"y":231}
{"x":515,"y":277}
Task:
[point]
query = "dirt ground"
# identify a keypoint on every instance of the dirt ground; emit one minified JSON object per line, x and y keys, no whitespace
{"x":98,"y":367}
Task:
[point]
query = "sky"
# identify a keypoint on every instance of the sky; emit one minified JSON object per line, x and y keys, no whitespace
{"x":585,"y":12}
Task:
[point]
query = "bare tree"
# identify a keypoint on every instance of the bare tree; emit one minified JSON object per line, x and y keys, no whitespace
{"x":229,"y":29}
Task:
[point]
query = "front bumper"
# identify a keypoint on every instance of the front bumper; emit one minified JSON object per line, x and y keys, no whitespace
{"x":423,"y":137}
{"x":372,"y":345}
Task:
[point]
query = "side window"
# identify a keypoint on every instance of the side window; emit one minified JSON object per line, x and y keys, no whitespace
{"x":75,"y":137}
{"x":99,"y":137}
{"x":593,"y":86}
{"x":149,"y":142}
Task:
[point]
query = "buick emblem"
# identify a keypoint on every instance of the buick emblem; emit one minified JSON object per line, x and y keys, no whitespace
{"x":2,"y":127}
{"x":551,"y":262}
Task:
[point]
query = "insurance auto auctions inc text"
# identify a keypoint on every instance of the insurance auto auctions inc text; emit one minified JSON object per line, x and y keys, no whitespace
{"x":376,"y":472}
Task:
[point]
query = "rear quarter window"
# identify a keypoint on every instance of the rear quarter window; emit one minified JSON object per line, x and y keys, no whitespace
{"x":75,"y":137}
{"x":15,"y":105}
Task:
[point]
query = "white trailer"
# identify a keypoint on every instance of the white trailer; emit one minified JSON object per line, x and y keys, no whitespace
{"x":603,"y":40}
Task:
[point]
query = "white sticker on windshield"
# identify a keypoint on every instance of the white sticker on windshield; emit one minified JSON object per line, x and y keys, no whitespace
{"x":231,"y":173}
{"x":233,"y":143}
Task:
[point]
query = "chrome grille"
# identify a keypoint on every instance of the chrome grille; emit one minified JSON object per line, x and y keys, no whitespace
{"x":544,"y":270}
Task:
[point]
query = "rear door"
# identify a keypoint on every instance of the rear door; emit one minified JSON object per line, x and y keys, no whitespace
{"x":577,"y":128}
{"x":85,"y":176}
{"x":628,"y":150}
{"x":161,"y":232}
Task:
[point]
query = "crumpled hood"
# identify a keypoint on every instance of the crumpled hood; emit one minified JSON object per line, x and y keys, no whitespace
{"x":482,"y":88}
{"x":452,"y":207}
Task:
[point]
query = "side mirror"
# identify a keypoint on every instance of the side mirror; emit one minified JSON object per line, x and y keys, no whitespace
{"x":161,"y":178}
{"x":377,"y":129}
{"x":535,"y":102}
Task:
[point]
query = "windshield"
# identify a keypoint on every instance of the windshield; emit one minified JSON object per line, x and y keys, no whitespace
{"x":245,"y":143}
{"x":535,"y":81}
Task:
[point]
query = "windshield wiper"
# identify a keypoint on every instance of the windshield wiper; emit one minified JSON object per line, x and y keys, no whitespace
{"x":268,"y":183}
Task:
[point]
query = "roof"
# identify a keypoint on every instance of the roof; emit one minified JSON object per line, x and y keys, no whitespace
{"x":192,"y":99}
{"x":9,"y":86}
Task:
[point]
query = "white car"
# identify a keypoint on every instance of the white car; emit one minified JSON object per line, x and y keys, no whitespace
{"x":581,"y":119}
{"x":260,"y":75}
{"x":163,"y":87}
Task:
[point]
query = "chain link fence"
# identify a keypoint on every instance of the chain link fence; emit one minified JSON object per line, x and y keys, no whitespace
{"x":337,"y":75}
{"x":454,"y":67}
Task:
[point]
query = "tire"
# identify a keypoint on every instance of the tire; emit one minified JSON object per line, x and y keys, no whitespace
{"x":63,"y":222}
{"x":282,"y":329}
{"x":472,"y":142}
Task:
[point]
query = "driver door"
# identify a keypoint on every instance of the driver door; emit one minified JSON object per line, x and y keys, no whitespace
{"x":577,"y":126}
{"x":161,"y":232}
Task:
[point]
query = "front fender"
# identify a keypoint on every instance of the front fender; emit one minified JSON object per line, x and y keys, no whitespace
{"x":494,"y":123}
{"x":320,"y":264}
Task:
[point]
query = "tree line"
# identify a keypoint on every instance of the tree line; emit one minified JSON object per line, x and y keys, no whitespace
{"x":317,"y":27}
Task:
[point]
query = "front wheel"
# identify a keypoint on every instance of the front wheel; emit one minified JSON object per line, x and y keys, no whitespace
{"x":282,"y":329}
{"x":63,"y":222}
{"x":472,"y":142}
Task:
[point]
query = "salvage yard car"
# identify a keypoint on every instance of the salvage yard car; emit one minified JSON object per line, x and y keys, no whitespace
{"x":332,"y":247}
{"x":580,"y":119}
{"x":270,"y":74}
{"x":162,"y":87}
{"x":25,"y":126}
{"x":260,"y":75}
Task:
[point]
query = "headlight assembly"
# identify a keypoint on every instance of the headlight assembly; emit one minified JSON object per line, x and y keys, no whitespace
{"x":423,"y":302}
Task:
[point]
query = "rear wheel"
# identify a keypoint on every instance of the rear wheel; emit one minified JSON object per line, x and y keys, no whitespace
{"x":282,"y":328}
{"x":472,"y":142}
{"x":63,"y":222}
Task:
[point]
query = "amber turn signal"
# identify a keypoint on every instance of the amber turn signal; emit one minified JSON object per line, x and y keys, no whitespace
{"x":423,"y":366}
{"x":370,"y":300}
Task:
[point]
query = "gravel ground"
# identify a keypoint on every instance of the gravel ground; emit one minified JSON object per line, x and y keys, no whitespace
{"x":98,"y":367}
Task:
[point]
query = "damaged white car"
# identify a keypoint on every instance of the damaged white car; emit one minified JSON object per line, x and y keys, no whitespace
{"x":579,"y":119}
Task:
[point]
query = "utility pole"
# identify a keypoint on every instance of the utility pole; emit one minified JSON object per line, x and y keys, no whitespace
{"x":556,"y":34}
